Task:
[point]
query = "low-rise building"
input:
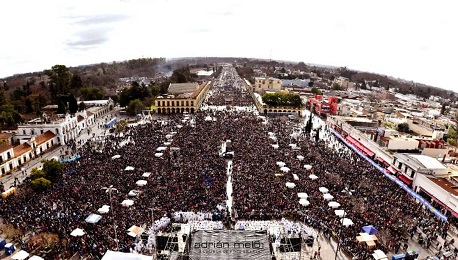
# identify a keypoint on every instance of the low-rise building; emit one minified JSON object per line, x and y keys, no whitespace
{"x":182,"y":97}
{"x":12,"y":157}
{"x":263,"y":84}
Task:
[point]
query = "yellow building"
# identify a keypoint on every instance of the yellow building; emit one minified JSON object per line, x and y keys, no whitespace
{"x":182,"y":97}
{"x":263,"y":84}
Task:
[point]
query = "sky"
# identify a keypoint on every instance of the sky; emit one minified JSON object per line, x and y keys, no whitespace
{"x":413,"y":40}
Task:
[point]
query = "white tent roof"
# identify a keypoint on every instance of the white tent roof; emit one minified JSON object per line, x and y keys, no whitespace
{"x":141,"y":182}
{"x":35,"y":257}
{"x":295,"y":177}
{"x":323,"y":189}
{"x":77,"y":232}
{"x":328,"y":196}
{"x":339,"y":212}
{"x":116,"y":156}
{"x":129,"y":168}
{"x":20,"y":255}
{"x":112,"y":255}
{"x":313,"y":176}
{"x":302,"y":195}
{"x":146,"y":174}
{"x":127,"y":203}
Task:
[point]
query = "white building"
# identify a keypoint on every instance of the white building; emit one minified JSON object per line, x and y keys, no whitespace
{"x":12,"y":157}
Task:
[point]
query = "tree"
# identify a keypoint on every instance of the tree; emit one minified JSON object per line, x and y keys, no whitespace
{"x":59,"y":78}
{"x":282,"y":99}
{"x":72,"y":104}
{"x":404,"y":127}
{"x":444,"y":109}
{"x":75,"y":82}
{"x":316,"y":91}
{"x":36,"y":173}
{"x":82,"y":106}
{"x":52,"y":168}
{"x":9,"y":116}
{"x":91,"y":93}
{"x":135,"y":106}
{"x":62,"y":104}
{"x":115,"y":99}
{"x":336,"y":86}
{"x":40,"y":184}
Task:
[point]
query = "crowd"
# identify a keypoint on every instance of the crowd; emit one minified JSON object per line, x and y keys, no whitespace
{"x":193,"y":179}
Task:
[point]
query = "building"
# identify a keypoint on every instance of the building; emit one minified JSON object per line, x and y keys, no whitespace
{"x":344,"y":82}
{"x":65,"y":128}
{"x":406,"y":166}
{"x":263,"y":84}
{"x":12,"y":157}
{"x":182,"y":97}
{"x":322,"y":106}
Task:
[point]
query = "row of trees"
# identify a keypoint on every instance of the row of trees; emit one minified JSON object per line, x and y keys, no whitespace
{"x":282,"y":99}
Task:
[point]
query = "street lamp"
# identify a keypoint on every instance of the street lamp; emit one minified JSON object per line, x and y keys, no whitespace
{"x":109,"y":191}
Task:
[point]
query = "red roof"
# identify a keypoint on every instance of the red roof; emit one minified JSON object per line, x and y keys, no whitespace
{"x":80,"y":118}
{"x":21,"y":149}
{"x":5,"y":147}
{"x":46,"y":136}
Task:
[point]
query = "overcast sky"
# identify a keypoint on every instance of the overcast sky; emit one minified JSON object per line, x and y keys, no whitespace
{"x":414,"y":40}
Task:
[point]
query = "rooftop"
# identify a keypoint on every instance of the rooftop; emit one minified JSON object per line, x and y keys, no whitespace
{"x":6,"y":135}
{"x":5,"y":147}
{"x":445,"y":184}
{"x":44,"y":137}
{"x":181,"y":88}
{"x":21,"y":149}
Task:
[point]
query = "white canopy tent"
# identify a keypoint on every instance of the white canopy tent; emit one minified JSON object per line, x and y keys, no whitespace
{"x":133,"y":193}
{"x":275,"y":146}
{"x":284,"y":169}
{"x":334,"y":204}
{"x":146,"y":174}
{"x":167,"y":143}
{"x":77,"y":232}
{"x":281,"y":164}
{"x":158,"y":154}
{"x":20,"y":255}
{"x":35,"y":257}
{"x":129,"y":168}
{"x":116,"y":156}
{"x":313,"y":176}
{"x":346,"y":222}
{"x":339,"y":212}
{"x":323,"y":189}
{"x":141,"y":183}
{"x":379,"y":255}
{"x":300,"y":157}
{"x":328,"y":196}
{"x":295,"y":177}
{"x":290,"y":185}
{"x":302,"y":195}
{"x":308,"y":167}
{"x":104,"y":209}
{"x":304,"y":202}
{"x":127,"y":203}
{"x":161,"y":148}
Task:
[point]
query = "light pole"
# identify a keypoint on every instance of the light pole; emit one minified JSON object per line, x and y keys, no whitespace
{"x":339,"y":233}
{"x":109,"y":190}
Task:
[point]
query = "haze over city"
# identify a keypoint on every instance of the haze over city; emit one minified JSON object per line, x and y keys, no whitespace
{"x":409,"y":39}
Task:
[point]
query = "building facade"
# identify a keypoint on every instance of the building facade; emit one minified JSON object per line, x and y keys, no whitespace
{"x":263,"y":84}
{"x":182,"y":97}
{"x":12,"y":157}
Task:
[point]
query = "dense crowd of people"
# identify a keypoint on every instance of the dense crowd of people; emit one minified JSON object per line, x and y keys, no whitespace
{"x":193,"y":179}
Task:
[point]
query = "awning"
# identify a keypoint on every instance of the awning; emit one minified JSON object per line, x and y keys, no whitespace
{"x":359,"y":146}
{"x":405,"y":179}
{"x":392,"y":170}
